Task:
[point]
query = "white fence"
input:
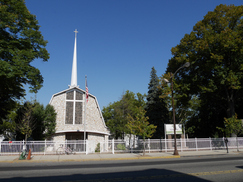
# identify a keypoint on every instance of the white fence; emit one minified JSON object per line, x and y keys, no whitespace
{"x":167,"y":145}
{"x":45,"y":147}
{"x":118,"y":146}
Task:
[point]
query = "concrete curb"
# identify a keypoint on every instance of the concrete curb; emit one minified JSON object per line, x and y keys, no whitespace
{"x":16,"y":160}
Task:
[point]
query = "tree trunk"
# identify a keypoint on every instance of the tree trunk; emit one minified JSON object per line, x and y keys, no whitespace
{"x":231,"y":104}
{"x":231,"y":107}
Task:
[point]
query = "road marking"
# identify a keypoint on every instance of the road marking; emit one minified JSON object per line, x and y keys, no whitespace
{"x":215,"y":172}
{"x":159,"y":176}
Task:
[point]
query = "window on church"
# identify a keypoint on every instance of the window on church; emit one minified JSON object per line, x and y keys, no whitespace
{"x":79,"y":96}
{"x":69,"y":112}
{"x":78,"y":113}
{"x":74,"y":107}
{"x":69,"y":95}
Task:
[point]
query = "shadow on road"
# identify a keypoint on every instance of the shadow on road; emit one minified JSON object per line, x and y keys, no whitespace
{"x":141,"y":176}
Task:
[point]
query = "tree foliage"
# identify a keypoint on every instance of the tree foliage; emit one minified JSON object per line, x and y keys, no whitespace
{"x":8,"y":126}
{"x":8,"y":129}
{"x":232,"y":126}
{"x":214,"y":48}
{"x":35,"y":121}
{"x":115,"y":114}
{"x":49,"y":121}
{"x":20,"y":43}
{"x":26,"y":123}
{"x":139,"y":125}
{"x":156,"y":108}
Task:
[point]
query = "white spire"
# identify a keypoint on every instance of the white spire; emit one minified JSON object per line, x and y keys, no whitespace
{"x":74,"y":69}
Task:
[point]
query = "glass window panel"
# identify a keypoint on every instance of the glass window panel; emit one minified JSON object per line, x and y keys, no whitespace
{"x":78,"y":113}
{"x":69,"y":113}
{"x":79,"y":96}
{"x":69,"y":95}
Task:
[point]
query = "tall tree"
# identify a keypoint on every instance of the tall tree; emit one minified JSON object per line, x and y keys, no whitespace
{"x":20,"y":43}
{"x":156,"y":109}
{"x":214,"y":49}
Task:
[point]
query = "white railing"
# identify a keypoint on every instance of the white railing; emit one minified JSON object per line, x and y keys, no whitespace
{"x":120,"y":146}
{"x":167,"y":145}
{"x":45,"y":147}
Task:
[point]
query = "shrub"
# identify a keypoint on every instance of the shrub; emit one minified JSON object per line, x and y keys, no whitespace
{"x":97,"y":149}
{"x":121,"y":147}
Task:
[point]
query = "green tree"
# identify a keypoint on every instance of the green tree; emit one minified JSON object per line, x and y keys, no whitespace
{"x":8,"y":126}
{"x":8,"y":129}
{"x":20,"y":43}
{"x":115,"y":114}
{"x":39,"y":121}
{"x":156,"y":108}
{"x":38,"y":113}
{"x":49,"y":121}
{"x":139,"y":125}
{"x":26,"y":123}
{"x":183,"y":113}
{"x":232,"y":126}
{"x":214,"y":49}
{"x":207,"y":116}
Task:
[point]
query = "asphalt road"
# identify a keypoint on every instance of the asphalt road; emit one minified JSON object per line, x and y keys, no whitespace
{"x":202,"y":169}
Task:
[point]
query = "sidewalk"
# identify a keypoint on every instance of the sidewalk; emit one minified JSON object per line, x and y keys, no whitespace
{"x":123,"y":156}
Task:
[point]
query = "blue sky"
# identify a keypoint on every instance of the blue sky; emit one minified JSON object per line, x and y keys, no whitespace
{"x":118,"y":43}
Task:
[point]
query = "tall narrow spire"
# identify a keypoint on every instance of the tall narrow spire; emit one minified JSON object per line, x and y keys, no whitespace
{"x":74,"y":68}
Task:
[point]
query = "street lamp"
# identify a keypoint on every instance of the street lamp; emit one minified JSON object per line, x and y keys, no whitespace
{"x":187,"y":64}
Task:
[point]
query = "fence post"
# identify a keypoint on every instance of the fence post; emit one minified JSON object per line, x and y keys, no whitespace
{"x":165,"y":145}
{"x":113,"y":146}
{"x":45,"y":148}
{"x":86,"y":142}
{"x":181,"y":146}
{"x":224,"y":143}
{"x":196,"y":144}
{"x":0,"y":147}
{"x":210,"y":143}
{"x":237,"y":143}
{"x":149,"y":144}
{"x":24,"y":146}
{"x":132,"y":144}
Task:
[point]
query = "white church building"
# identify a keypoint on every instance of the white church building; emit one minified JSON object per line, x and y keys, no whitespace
{"x":78,"y":113}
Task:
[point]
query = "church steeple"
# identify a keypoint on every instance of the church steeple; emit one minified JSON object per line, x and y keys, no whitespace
{"x":74,"y":68}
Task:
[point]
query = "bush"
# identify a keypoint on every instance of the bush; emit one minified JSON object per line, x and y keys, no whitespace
{"x":121,"y":147}
{"x":97,"y":148}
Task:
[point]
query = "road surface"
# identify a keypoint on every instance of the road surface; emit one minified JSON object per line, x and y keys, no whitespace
{"x":201,"y":169}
